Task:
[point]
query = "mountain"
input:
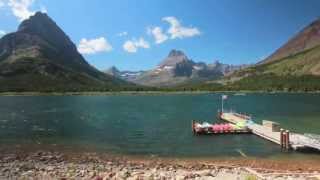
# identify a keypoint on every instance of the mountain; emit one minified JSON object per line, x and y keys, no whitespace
{"x":299,"y":56}
{"x":294,"y":66}
{"x":176,"y":69}
{"x":174,"y":57}
{"x":125,"y":75}
{"x":113,"y":71}
{"x":40,"y":56}
{"x":307,"y":38}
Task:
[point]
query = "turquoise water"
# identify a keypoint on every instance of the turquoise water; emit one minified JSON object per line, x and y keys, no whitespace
{"x":151,"y":125}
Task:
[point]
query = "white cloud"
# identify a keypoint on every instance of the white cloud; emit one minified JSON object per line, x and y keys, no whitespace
{"x":43,"y":9}
{"x":93,"y":46}
{"x":21,"y":8}
{"x":133,"y":45}
{"x":2,"y":3}
{"x":124,"y":33}
{"x":157,"y":34}
{"x":176,"y":30}
{"x":2,"y":33}
{"x":142,"y":43}
{"x":129,"y":47}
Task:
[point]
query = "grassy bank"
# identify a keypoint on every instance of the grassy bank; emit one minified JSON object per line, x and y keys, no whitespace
{"x":99,"y":93}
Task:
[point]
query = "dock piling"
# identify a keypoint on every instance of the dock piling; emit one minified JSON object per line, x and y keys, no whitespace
{"x":287,"y":139}
{"x":281,"y":138}
{"x":284,"y":137}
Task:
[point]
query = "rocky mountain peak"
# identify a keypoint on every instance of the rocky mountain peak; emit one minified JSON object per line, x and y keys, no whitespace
{"x":40,"y":55}
{"x":174,"y":57}
{"x":38,"y":20}
{"x":113,"y":71}
{"x":41,"y":25}
{"x":113,"y":68}
{"x":215,"y":63}
{"x":175,"y":52}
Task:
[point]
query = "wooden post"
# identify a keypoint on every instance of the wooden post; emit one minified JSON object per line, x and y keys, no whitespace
{"x":287,"y":140}
{"x":284,"y":137}
{"x":281,"y":138}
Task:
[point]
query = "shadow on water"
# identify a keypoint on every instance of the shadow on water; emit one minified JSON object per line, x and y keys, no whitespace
{"x":309,"y":150}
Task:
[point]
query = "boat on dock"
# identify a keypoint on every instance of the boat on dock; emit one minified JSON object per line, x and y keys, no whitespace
{"x":218,"y":128}
{"x":237,"y":123}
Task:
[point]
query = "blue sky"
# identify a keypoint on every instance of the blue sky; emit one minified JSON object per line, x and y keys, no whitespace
{"x":231,"y":31}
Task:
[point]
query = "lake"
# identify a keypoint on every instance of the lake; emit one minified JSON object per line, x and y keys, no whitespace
{"x":152,"y":125}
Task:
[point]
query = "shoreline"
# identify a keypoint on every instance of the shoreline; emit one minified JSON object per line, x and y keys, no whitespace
{"x":98,"y":93}
{"x":18,"y":161}
{"x":84,"y":165}
{"x":57,"y":165}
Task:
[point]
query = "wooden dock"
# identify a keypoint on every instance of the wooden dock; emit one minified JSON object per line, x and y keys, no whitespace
{"x":268,"y":130}
{"x":262,"y":131}
{"x":265,"y":133}
{"x":233,"y":117}
{"x":286,"y":139}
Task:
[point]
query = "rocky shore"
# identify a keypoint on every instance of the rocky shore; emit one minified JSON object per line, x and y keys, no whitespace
{"x":54,"y":165}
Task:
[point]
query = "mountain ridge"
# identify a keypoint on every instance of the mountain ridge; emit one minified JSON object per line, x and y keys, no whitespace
{"x":306,"y":38}
{"x":39,"y":51}
{"x":294,"y":66}
{"x":177,"y":69}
